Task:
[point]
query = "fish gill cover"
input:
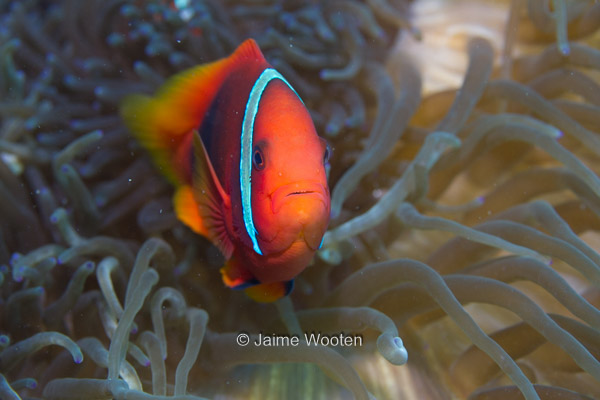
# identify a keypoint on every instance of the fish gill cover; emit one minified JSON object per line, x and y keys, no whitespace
{"x":463,"y":220}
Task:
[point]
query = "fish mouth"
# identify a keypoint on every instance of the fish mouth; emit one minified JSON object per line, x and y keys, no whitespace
{"x":300,"y":192}
{"x":300,"y":213}
{"x":297,"y":189}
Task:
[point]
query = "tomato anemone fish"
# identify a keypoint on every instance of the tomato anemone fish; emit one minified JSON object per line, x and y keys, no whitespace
{"x":240,"y":147}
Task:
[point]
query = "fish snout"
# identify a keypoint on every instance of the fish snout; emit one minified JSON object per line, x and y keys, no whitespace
{"x":304,"y":208}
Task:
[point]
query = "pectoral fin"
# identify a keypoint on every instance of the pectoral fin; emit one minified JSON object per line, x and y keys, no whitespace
{"x":187,"y":211}
{"x":202,"y":205}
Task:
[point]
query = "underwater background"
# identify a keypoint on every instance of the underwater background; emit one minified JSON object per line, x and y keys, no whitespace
{"x":465,"y":203}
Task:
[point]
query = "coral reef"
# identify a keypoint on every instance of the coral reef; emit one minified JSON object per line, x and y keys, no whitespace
{"x":464,"y":220}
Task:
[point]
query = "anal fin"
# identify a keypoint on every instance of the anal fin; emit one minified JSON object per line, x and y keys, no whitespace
{"x":269,"y":292}
{"x":236,"y":276}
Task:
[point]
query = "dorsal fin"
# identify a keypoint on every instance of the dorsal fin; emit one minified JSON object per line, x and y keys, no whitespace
{"x":162,"y":122}
{"x":190,"y":93}
{"x":249,"y":50}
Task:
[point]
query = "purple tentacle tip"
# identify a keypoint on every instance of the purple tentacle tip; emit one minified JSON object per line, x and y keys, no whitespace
{"x":398,"y":342}
{"x":14,"y":258}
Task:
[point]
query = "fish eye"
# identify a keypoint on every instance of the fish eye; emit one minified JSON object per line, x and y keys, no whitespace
{"x":327,"y":154}
{"x":258,"y":159}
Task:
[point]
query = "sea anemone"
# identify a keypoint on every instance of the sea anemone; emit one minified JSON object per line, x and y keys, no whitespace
{"x":463,"y":217}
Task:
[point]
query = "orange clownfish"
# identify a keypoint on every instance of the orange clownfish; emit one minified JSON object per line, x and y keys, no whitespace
{"x":239,"y":145}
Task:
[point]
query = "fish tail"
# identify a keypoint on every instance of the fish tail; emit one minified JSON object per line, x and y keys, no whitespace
{"x":141,"y":115}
